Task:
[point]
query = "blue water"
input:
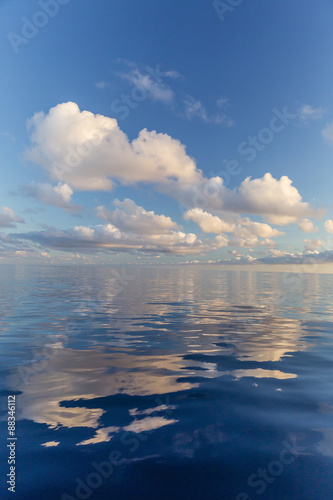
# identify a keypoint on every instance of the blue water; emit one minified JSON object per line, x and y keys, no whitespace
{"x":184,"y":383}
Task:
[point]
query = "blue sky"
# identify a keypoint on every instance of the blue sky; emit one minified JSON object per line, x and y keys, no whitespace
{"x":172,"y":111}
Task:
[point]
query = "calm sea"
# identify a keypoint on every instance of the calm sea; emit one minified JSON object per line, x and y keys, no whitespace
{"x":167,"y":383}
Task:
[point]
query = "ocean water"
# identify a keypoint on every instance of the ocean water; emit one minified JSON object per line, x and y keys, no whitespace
{"x":167,"y":383}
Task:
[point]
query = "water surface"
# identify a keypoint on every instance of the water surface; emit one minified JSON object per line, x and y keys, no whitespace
{"x":196,"y":383}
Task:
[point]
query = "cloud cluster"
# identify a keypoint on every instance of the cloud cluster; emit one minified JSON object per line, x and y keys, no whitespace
{"x":90,"y":152}
{"x":130,"y":228}
{"x":85,"y":151}
{"x":109,"y":238}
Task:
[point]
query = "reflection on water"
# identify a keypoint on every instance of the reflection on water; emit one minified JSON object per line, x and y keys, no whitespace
{"x":196,"y":372}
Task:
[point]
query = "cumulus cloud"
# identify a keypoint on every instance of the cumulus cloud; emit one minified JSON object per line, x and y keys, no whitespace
{"x":109,"y":238}
{"x":244,"y":228}
{"x":312,"y":244}
{"x":8,"y":218}
{"x":90,"y":152}
{"x":207,"y":222}
{"x":279,"y":200}
{"x":275,"y":199}
{"x":58,"y":196}
{"x":132,"y":218}
{"x":307,"y":226}
{"x":256,"y":229}
{"x":329,"y":226}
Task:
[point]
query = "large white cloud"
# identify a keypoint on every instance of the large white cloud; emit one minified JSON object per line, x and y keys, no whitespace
{"x":90,"y":152}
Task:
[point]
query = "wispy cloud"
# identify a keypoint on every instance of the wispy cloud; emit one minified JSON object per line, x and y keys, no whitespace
{"x":102,"y":85}
{"x":327,"y":132}
{"x":307,"y":113}
{"x":195,"y":108}
{"x":153,"y":81}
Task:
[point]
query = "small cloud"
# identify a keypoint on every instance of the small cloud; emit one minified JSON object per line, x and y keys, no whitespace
{"x":327,"y":132}
{"x":102,"y":85}
{"x":307,"y":113}
{"x":307,"y":226}
{"x":329,"y":226}
{"x":8,"y":218}
{"x":222,"y":102}
{"x":57,"y":196}
{"x":150,"y":81}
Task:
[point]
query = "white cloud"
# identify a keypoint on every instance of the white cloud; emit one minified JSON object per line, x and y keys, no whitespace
{"x":157,"y":90}
{"x":329,"y":226}
{"x":327,"y":132}
{"x":90,"y":152}
{"x":245,"y":228}
{"x":62,"y":137}
{"x":132,"y":218}
{"x":278,"y":200}
{"x":256,"y":229}
{"x":312,"y":244}
{"x":222,"y":102}
{"x":109,"y":238}
{"x":307,"y":113}
{"x":307,"y":226}
{"x":102,"y":85}
{"x":8,"y":218}
{"x":275,"y":199}
{"x":207,"y":222}
{"x":58,"y":196}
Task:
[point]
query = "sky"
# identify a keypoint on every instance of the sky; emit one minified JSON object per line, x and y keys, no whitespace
{"x":155,"y":132}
